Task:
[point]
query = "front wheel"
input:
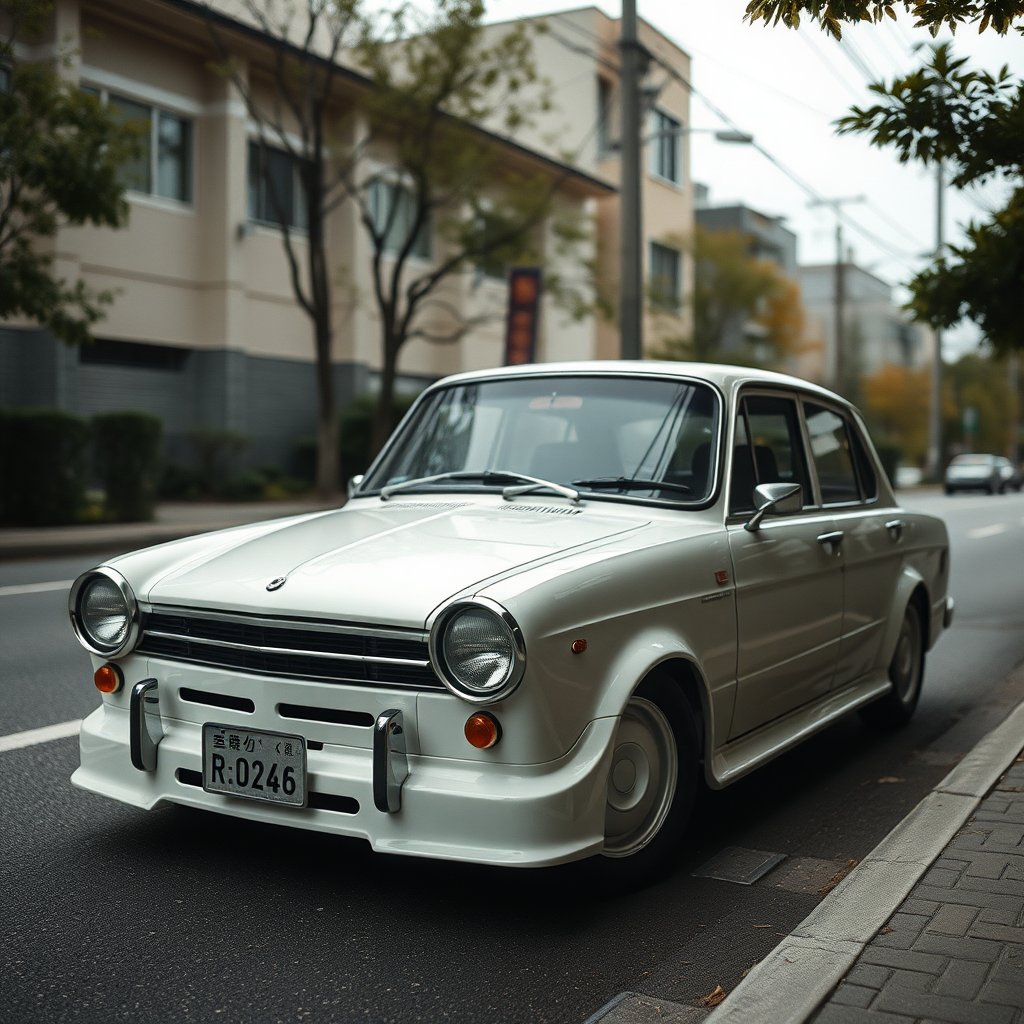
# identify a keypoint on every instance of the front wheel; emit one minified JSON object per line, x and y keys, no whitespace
{"x":652,"y":784}
{"x":906,"y":670}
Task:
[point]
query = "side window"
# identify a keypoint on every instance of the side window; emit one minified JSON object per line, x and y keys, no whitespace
{"x":865,"y":471}
{"x":768,"y":450}
{"x":832,"y":454}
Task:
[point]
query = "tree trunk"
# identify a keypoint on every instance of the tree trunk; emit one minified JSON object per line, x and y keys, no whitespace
{"x":328,"y":469}
{"x":385,"y":400}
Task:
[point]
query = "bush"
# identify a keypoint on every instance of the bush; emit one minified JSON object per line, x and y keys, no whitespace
{"x":42,"y":466}
{"x":127,"y":454}
{"x":217,"y":450}
{"x":181,"y":482}
{"x":245,"y":486}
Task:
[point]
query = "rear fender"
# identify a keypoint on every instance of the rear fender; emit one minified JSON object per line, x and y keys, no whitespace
{"x":910,"y":579}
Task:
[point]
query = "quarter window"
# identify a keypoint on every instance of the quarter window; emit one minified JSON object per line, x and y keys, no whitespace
{"x":832,"y":454}
{"x":768,"y":449}
{"x":163,"y":164}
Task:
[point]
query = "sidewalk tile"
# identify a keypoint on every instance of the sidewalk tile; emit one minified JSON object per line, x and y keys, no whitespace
{"x":953,"y":919}
{"x":868,"y":975}
{"x":1007,"y":917}
{"x":853,"y":995}
{"x":903,"y":931}
{"x":959,"y":948}
{"x":914,"y":981}
{"x":989,"y":865}
{"x":992,"y":900}
{"x":835,"y":1014}
{"x":998,"y":932}
{"x":962,"y":979}
{"x":941,"y":878}
{"x":1002,"y":993}
{"x":915,"y":906}
{"x":905,"y":959}
{"x":944,"y":1008}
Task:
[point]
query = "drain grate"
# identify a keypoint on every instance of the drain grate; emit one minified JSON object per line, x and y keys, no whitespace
{"x":735,"y":864}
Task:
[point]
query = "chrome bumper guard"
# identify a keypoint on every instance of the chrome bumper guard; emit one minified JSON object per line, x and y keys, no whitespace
{"x":146,"y":729}
{"x":947,"y":615}
{"x":390,"y":764}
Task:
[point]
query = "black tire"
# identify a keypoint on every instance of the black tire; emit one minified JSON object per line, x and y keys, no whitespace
{"x":906,"y":670}
{"x":644,"y":830}
{"x":948,"y":489}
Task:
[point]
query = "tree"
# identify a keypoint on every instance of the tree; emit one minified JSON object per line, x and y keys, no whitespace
{"x":998,"y":15}
{"x":896,"y":402}
{"x":60,"y":153}
{"x":973,"y":122}
{"x":743,"y":309}
{"x":434,"y":192}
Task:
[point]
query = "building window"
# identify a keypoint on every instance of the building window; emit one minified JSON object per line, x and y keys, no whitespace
{"x":393,"y":210}
{"x":134,"y":354}
{"x":666,"y":276}
{"x":604,"y":116}
{"x":163,"y":166}
{"x":276,"y":195}
{"x":666,"y":147}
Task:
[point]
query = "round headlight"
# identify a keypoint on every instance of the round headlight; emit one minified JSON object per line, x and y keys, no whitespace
{"x":478,"y":651}
{"x":104,"y":613}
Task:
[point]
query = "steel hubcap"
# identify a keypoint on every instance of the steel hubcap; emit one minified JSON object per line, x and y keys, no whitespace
{"x":642,"y":779}
{"x":905,"y":662}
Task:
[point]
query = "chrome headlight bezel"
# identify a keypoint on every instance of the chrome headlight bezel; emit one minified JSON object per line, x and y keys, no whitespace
{"x":503,"y":621}
{"x":89,"y":642}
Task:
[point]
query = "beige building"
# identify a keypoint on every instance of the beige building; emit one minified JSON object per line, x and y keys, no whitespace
{"x":205,"y":328}
{"x":577,"y":54}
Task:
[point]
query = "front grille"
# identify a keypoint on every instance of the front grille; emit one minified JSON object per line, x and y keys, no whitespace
{"x":341,"y":653}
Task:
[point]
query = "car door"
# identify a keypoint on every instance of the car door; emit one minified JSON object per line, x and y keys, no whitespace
{"x":788,"y":574}
{"x":873,"y":537}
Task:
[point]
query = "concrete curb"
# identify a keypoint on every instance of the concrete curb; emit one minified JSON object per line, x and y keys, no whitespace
{"x":793,"y":981}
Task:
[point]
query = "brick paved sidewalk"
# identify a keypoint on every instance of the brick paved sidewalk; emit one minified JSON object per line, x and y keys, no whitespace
{"x":954,"y":951}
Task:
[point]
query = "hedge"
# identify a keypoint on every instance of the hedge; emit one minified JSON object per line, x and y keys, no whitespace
{"x":127,"y":452}
{"x":42,"y":466}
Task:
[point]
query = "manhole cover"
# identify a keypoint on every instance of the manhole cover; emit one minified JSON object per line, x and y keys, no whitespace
{"x":735,"y":864}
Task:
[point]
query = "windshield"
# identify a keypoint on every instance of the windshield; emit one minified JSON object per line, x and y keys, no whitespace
{"x":613,"y":433}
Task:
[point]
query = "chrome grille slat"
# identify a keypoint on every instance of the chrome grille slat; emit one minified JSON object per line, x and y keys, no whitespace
{"x":290,"y":648}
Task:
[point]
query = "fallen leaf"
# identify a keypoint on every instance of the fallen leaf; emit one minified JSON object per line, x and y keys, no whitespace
{"x":884,"y":931}
{"x":890,"y":778}
{"x":760,"y":926}
{"x":714,"y":998}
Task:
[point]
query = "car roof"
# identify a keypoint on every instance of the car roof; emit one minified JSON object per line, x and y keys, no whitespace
{"x":724,"y":376}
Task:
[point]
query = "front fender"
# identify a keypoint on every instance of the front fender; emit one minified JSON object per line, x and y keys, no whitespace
{"x":909,"y":580}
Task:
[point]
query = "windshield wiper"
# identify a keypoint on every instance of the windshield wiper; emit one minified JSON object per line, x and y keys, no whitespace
{"x":490,"y":476}
{"x":623,"y":483}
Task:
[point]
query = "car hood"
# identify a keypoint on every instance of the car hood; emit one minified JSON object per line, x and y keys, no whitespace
{"x":374,"y":562}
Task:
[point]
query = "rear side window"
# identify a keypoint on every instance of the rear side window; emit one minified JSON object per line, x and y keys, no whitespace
{"x":865,"y":471}
{"x":832,"y":454}
{"x":768,"y":449}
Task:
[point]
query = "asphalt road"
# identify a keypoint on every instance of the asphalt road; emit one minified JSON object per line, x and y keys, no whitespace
{"x":113,"y":914}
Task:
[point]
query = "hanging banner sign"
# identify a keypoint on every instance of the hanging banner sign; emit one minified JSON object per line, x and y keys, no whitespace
{"x":524,"y":286}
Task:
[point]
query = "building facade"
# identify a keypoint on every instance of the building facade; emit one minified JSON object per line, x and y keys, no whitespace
{"x":876,"y":330}
{"x":205,"y":329}
{"x":577,"y":56}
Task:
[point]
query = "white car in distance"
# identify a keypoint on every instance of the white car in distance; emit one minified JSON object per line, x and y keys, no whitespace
{"x":562,"y":598}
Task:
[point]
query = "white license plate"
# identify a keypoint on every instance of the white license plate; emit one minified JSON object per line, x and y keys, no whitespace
{"x":254,"y":764}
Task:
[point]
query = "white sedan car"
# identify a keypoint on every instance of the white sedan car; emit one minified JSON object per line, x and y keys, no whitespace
{"x":561,"y":597}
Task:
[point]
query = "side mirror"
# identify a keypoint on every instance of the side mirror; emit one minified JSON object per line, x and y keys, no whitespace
{"x":353,"y":484}
{"x":775,"y":500}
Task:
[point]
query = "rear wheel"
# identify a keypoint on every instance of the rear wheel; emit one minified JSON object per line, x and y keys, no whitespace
{"x":652,"y":783}
{"x":906,"y":670}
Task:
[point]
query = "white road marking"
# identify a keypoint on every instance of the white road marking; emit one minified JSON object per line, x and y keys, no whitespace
{"x":17,"y":740}
{"x":35,"y":588}
{"x":987,"y":531}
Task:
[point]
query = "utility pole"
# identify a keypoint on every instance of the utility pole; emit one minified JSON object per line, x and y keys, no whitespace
{"x":837,"y":377}
{"x":631,"y":285}
{"x":1013,"y":380}
{"x":934,"y":467}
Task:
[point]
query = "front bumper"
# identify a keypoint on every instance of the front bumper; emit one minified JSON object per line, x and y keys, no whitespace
{"x":516,"y":815}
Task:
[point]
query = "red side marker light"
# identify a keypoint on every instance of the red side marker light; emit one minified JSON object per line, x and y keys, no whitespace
{"x":721,"y":576}
{"x":482,"y":730}
{"x":108,"y":679}
{"x":579,"y":646}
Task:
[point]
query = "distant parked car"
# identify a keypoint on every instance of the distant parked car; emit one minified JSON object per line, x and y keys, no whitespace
{"x":1011,"y":474}
{"x":975,"y":473}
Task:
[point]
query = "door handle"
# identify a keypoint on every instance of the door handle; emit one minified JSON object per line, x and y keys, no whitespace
{"x":895,"y":528}
{"x":831,"y":540}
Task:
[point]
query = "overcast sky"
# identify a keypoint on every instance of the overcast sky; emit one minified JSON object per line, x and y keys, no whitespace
{"x":786,"y":88}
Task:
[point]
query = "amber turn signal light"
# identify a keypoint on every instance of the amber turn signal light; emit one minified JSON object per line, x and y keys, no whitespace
{"x":108,"y":679}
{"x":482,"y":730}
